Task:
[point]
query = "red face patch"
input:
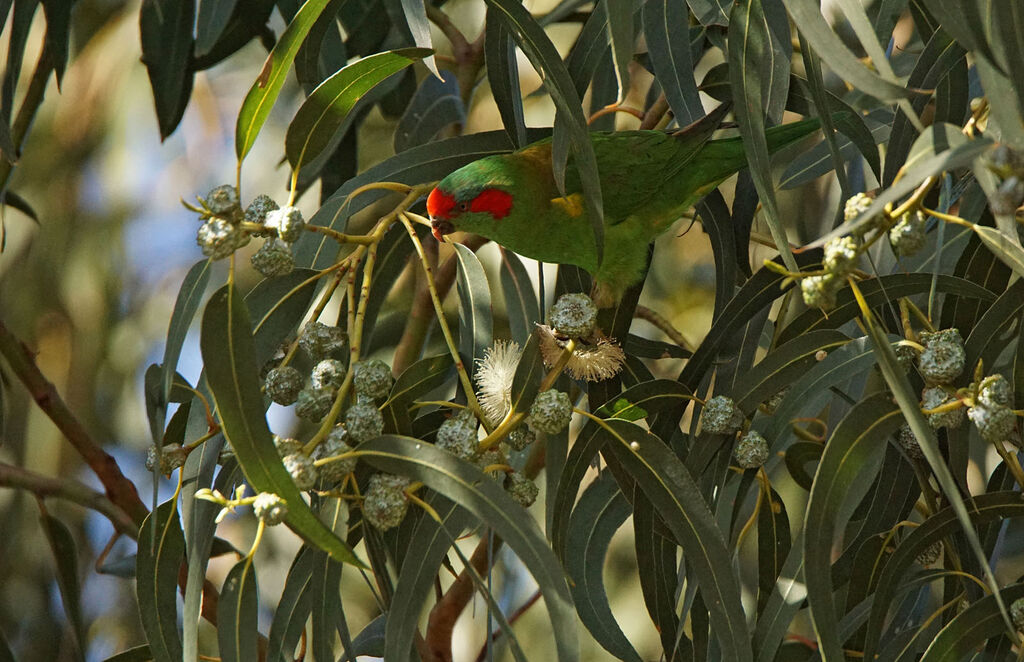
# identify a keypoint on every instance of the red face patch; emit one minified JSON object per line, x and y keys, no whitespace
{"x":440,"y":204}
{"x":496,"y":203}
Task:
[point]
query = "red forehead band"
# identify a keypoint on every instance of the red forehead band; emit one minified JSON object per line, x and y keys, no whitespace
{"x":440,"y":204}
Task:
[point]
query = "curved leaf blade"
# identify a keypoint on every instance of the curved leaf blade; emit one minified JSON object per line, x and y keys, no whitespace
{"x":264,"y":92}
{"x":326,"y":110}
{"x":237,"y":612}
{"x":228,"y":352}
{"x":476,"y":326}
{"x":161,"y":550}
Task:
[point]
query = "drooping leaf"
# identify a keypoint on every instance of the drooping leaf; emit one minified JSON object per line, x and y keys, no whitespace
{"x":190,"y":295}
{"x":213,"y":18}
{"x":166,"y":33}
{"x":975,"y":625}
{"x":161,"y":550}
{"x":463,"y":483}
{"x":620,"y":36}
{"x":62,"y":544}
{"x":600,"y":512}
{"x":773,"y":545}
{"x":418,"y":379}
{"x":475,"y":318}
{"x":229,"y":357}
{"x":520,"y":299}
{"x":264,"y":92}
{"x":237,"y":633}
{"x":136,"y":654}
{"x":851,"y":457}
{"x":503,"y":76}
{"x":668,"y":485}
{"x":436,"y":104}
{"x":292,"y":609}
{"x":670,"y":57}
{"x":325,"y":112}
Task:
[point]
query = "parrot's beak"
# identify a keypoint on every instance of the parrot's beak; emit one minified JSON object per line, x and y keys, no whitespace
{"x":440,"y":227}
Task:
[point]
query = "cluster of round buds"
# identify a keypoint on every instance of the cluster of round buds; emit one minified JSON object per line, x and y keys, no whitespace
{"x":334,"y":445}
{"x":908,"y":442}
{"x":314,"y":403}
{"x":284,"y":384}
{"x":329,"y":373}
{"x":721,"y":416}
{"x":457,"y":435}
{"x":523,"y":490}
{"x":287,"y":223}
{"x":171,"y":457}
{"x":385,"y":502}
{"x":219,"y":235}
{"x":550,"y":412}
{"x":269,"y":508}
{"x":218,"y":238}
{"x":302,"y":470}
{"x":992,"y":412}
{"x":520,"y":437}
{"x":258,"y":209}
{"x":930,"y":554}
{"x":933,"y":397}
{"x":751,"y":450}
{"x":372,"y":379}
{"x":1017,"y":613}
{"x":943,"y":358}
{"x":907,"y":236}
{"x":364,"y":421}
{"x":287,"y":446}
{"x":573,"y":315}
{"x":840,"y":259}
{"x":319,"y":340}
{"x":274,"y":258}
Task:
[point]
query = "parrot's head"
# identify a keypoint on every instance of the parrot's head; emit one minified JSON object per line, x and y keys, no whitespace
{"x":471,"y":199}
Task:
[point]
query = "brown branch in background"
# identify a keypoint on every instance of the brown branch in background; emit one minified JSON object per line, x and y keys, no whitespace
{"x":69,"y":490}
{"x":119,"y":489}
{"x":654,"y":114}
{"x":422,"y":312}
{"x":437,"y":646}
{"x":468,"y":56}
{"x":655,"y":318}
{"x":532,"y":600}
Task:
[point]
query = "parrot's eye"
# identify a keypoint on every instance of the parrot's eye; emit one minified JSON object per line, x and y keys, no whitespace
{"x":463,"y":206}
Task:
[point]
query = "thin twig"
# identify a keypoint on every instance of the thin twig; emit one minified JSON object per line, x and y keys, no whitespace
{"x":666,"y":327}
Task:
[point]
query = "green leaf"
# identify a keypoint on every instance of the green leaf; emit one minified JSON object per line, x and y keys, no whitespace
{"x":759,"y":72}
{"x":845,"y":473}
{"x":620,"y":35}
{"x":645,"y":398}
{"x":798,"y":455}
{"x":806,"y":15}
{"x":819,"y":160}
{"x":1006,"y":249}
{"x":646,"y":348}
{"x":277,"y":305}
{"x":436,"y":105}
{"x":161,"y":550}
{"x":237,"y":614}
{"x":773,"y":545}
{"x":785,"y":601}
{"x":670,"y":57}
{"x":783,"y":366}
{"x":668,"y":485}
{"x":264,"y":92}
{"x":418,"y":379}
{"x":972,"y":627}
{"x":58,"y":34}
{"x":165,"y":28}
{"x":985,"y":508}
{"x":476,"y":327}
{"x":137,"y":654}
{"x":431,"y":541}
{"x":292,"y":609}
{"x":21,"y":24}
{"x":529,"y":373}
{"x":984,"y":342}
{"x":370,"y":641}
{"x":326,"y":111}
{"x":415,"y":14}
{"x":463,"y":483}
{"x":600,"y":512}
{"x":963,"y":20}
{"x":190,"y":295}
{"x":65,"y":553}
{"x":213,"y":18}
{"x":229,"y":358}
{"x":503,"y":76}
{"x":569,"y":111}
{"x":520,"y":299}
{"x":711,"y":12}
{"x":325,"y":598}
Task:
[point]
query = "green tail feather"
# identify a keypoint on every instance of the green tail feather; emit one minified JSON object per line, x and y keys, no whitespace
{"x":726,"y":156}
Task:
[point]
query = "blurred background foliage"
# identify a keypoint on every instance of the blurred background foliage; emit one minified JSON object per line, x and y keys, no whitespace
{"x":90,"y":282}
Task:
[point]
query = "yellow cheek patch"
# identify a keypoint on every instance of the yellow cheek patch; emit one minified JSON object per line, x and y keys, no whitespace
{"x":571,"y":205}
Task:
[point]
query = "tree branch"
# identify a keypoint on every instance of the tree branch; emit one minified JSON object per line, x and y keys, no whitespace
{"x":69,"y":490}
{"x":119,"y":489}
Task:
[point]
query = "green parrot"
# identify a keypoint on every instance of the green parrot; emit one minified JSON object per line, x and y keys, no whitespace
{"x":648,"y":180}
